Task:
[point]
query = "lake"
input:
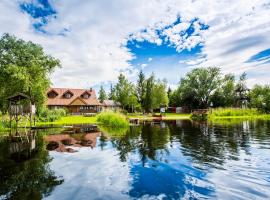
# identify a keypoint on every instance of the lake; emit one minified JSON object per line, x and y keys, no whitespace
{"x":155,"y":160}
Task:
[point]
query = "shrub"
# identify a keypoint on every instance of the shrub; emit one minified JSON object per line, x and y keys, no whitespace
{"x":112,"y":119}
{"x":47,"y":115}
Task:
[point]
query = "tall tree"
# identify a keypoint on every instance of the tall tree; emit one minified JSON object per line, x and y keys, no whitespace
{"x":112,"y":93}
{"x":125,"y":93}
{"x":24,"y":67}
{"x":148,"y":102}
{"x":169,"y":94}
{"x":141,"y":87}
{"x":159,"y":95}
{"x":102,"y":94}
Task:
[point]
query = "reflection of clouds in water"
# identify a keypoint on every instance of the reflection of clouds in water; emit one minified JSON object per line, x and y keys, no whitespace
{"x":243,"y":178}
{"x":171,"y":175}
{"x":90,"y":174}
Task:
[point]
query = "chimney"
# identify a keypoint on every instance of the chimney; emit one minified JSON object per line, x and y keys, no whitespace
{"x":91,"y":89}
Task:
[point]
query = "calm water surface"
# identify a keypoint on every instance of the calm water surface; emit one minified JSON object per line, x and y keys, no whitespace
{"x":165,"y":160}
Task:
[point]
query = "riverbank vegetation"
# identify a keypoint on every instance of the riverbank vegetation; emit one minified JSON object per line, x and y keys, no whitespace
{"x":249,"y":113}
{"x":25,"y":68}
{"x":112,"y":119}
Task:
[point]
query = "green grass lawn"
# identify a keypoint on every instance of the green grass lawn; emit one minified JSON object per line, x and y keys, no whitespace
{"x":72,"y":119}
{"x":78,"y":119}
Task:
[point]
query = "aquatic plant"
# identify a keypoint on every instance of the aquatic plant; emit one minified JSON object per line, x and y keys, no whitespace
{"x":112,"y":119}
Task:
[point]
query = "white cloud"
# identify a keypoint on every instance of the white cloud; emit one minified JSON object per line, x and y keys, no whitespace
{"x":94,"y":51}
{"x":150,"y":59}
{"x":143,"y":65}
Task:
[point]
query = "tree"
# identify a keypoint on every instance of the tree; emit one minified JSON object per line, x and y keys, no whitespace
{"x":159,"y":95}
{"x":102,"y":94}
{"x":141,"y":88}
{"x":225,"y":95}
{"x":125,"y":93}
{"x":198,"y":87}
{"x":260,"y":98}
{"x":169,"y":94}
{"x":112,"y":93}
{"x":148,"y":102}
{"x":24,"y":67}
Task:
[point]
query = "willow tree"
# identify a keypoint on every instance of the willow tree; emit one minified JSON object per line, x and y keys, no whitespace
{"x":199,"y":86}
{"x":24,"y":67}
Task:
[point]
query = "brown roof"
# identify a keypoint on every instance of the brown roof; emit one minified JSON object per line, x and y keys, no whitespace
{"x":60,"y":100}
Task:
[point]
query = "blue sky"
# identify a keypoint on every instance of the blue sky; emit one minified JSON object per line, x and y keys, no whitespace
{"x":96,"y":40}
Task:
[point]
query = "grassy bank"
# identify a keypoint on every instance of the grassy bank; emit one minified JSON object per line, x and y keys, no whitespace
{"x":72,"y":119}
{"x":167,"y":116}
{"x":236,"y":113}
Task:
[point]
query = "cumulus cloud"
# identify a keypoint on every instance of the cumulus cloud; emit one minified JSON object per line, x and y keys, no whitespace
{"x":90,"y":37}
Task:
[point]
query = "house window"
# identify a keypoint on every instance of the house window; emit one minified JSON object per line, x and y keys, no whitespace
{"x":85,"y":96}
{"x":52,"y":95}
{"x":68,"y":95}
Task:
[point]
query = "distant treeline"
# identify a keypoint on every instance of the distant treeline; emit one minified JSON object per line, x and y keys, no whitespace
{"x":200,"y":88}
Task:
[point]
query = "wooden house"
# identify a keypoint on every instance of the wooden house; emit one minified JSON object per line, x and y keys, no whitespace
{"x":111,"y":105}
{"x":76,"y":101}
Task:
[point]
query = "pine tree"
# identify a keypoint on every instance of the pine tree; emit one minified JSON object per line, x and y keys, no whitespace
{"x":102,"y":94}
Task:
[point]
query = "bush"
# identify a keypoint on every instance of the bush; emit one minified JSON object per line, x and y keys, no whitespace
{"x":47,"y":115}
{"x":112,"y":119}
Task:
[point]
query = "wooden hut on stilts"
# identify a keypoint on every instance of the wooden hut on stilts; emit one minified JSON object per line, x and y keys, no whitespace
{"x":21,"y":106}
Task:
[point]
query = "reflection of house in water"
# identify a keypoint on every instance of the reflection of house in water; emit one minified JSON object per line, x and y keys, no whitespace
{"x":64,"y":142}
{"x":81,"y":129}
{"x":22,"y":147}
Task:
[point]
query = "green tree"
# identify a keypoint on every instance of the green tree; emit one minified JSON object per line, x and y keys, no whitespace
{"x":148,"y":102}
{"x":169,"y":94}
{"x":159,"y":95}
{"x":198,"y":87}
{"x":141,"y":88}
{"x":225,"y":95}
{"x":102,"y":94}
{"x":24,"y":67}
{"x":112,"y":93}
{"x":125,"y":93}
{"x":260,"y":98}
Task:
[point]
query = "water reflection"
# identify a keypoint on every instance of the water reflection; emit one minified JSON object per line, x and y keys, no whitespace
{"x":24,"y":168}
{"x":159,"y":160}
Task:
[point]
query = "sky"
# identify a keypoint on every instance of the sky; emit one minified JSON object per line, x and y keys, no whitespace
{"x":96,"y":40}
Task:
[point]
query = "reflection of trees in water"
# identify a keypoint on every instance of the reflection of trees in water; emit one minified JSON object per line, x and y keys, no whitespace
{"x":213,"y":144}
{"x":204,"y":143}
{"x":28,"y":179}
{"x":147,"y":140}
